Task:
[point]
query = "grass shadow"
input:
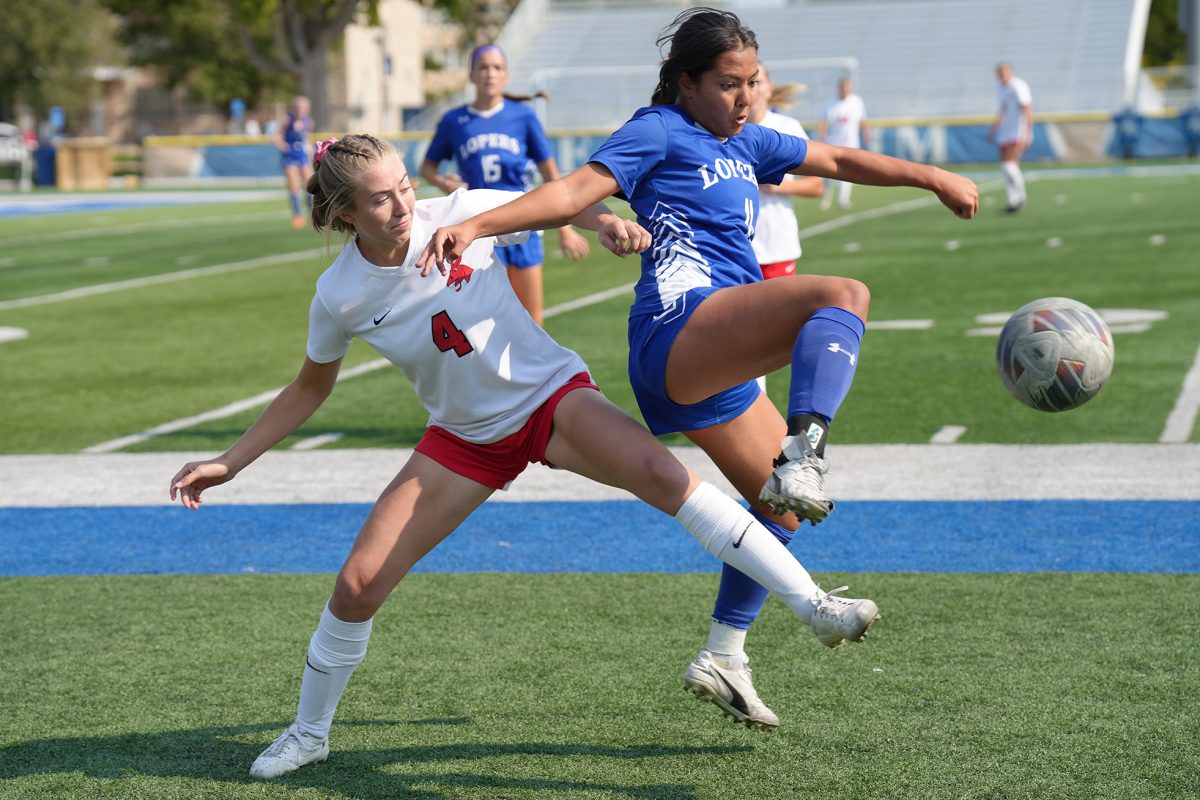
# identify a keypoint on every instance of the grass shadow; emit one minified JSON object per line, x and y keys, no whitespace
{"x":218,"y":754}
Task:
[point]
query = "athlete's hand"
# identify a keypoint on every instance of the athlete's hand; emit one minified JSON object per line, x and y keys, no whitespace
{"x":445,"y":246}
{"x":623,"y":236}
{"x":195,"y":477}
{"x":573,"y":245}
{"x":958,"y":194}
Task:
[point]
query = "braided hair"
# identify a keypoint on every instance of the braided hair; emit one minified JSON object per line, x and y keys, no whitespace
{"x":337,"y":166}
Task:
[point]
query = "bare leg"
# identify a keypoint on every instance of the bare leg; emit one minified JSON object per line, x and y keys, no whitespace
{"x":527,"y":283}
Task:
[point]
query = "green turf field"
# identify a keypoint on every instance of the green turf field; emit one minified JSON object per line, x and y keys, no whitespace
{"x":983,"y":686}
{"x":972,"y":686}
{"x":102,"y":366}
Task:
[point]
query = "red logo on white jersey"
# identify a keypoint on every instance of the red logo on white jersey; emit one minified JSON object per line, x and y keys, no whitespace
{"x":460,"y":273}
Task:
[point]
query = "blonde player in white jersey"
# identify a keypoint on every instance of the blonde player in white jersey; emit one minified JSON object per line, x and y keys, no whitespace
{"x":844,"y":124}
{"x":1012,"y":132}
{"x":776,"y":233}
{"x":501,"y":394}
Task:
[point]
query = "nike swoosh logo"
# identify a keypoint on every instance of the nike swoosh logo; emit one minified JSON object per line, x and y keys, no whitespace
{"x":380,"y":319}
{"x":738,"y":543}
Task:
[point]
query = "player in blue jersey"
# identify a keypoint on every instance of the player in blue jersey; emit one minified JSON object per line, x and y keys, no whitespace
{"x":291,"y":139}
{"x":703,"y":324}
{"x":494,"y":141}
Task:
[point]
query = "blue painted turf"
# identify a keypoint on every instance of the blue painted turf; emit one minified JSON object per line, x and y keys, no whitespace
{"x":612,"y":536}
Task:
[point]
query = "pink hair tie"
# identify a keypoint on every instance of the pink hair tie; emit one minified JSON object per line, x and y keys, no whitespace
{"x":321,"y":148}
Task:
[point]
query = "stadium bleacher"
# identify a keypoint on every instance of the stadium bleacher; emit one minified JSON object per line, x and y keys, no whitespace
{"x":909,"y":58}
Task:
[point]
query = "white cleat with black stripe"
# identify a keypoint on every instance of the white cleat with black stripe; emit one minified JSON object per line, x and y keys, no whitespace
{"x":729,"y":689}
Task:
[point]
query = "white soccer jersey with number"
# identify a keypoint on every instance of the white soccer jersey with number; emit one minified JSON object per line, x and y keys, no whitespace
{"x":1013,"y":96}
{"x":480,"y":365}
{"x":776,"y":235}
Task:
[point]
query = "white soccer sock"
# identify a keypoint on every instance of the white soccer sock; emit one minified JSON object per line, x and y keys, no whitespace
{"x":733,"y":535}
{"x":844,"y":189}
{"x":726,"y":640}
{"x":334,"y":652}
{"x":1014,"y":183}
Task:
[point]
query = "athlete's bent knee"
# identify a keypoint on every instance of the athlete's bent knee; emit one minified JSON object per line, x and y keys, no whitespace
{"x":854,"y":296}
{"x":355,"y":597}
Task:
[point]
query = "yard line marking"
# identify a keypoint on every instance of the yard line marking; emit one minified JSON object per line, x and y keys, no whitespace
{"x":134,"y":227}
{"x":12,"y":334}
{"x":263,"y":398}
{"x":313,"y":442}
{"x":1183,"y":416}
{"x":153,"y":280}
{"x":7,"y":262}
{"x":97,"y":261}
{"x":948,"y":434}
{"x":900,"y":325}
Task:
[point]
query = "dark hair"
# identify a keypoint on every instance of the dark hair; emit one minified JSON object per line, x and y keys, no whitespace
{"x":697,"y":38}
{"x":335,"y":177}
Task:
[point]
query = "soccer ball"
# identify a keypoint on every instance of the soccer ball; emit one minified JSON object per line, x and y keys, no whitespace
{"x":1054,"y":354}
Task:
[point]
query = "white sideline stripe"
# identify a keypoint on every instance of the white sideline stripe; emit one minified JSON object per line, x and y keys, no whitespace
{"x":12,"y":334}
{"x":263,"y":398}
{"x":860,"y":472}
{"x":134,"y":227}
{"x":313,"y":442}
{"x":1183,"y":416}
{"x":238,"y":407}
{"x":154,"y":280}
{"x":948,"y":434}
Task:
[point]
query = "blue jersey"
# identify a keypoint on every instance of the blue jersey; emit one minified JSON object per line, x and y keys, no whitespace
{"x":493,"y":150}
{"x":698,"y":197}
{"x":295,"y":135}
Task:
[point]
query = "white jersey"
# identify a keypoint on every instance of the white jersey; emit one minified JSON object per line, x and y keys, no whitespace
{"x":843,"y":120}
{"x":776,"y":234}
{"x":1013,"y":96}
{"x":480,"y":365}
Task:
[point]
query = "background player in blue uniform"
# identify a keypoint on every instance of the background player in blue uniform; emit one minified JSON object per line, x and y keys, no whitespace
{"x":494,"y":140}
{"x":704,"y":325}
{"x":291,"y":139}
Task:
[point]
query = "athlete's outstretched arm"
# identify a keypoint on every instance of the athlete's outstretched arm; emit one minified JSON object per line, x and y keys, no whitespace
{"x":957,"y":193}
{"x":551,"y":205}
{"x":287,"y":412}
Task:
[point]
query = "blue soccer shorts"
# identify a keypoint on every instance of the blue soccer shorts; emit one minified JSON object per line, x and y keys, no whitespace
{"x":521,"y":256}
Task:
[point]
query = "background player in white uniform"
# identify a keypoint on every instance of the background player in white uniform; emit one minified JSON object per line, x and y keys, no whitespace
{"x":1012,"y":132}
{"x":843,"y":125}
{"x":494,"y":141}
{"x":777,"y":234}
{"x":500,"y":394}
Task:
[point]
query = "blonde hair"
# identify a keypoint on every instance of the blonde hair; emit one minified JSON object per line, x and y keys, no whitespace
{"x":782,"y":95}
{"x":335,"y":177}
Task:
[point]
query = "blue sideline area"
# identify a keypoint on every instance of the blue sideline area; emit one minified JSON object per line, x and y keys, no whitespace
{"x":610,"y":536}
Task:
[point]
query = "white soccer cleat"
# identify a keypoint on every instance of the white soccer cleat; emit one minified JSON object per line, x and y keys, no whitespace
{"x":798,"y":482}
{"x":837,"y":619}
{"x":730,"y":690}
{"x":291,"y":751}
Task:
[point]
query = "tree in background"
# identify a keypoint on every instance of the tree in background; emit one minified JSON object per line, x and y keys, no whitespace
{"x":47,"y":51}
{"x":222,"y":49}
{"x":1166,"y":44}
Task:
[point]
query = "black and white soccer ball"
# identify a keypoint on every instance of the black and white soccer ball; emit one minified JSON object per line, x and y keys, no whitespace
{"x":1054,"y":354}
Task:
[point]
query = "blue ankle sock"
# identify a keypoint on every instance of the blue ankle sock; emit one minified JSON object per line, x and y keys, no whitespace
{"x":740,"y":599}
{"x":295,"y":198}
{"x":823,"y":362}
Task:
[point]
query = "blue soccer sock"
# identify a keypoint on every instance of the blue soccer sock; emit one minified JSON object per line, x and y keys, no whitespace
{"x":823,"y":362}
{"x":740,"y":599}
{"x":295,"y":198}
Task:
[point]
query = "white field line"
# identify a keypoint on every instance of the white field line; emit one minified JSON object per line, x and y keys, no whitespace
{"x":313,"y":442}
{"x":266,"y":397}
{"x":948,"y":434}
{"x":154,"y":280}
{"x":135,"y":227}
{"x":1182,"y":418}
